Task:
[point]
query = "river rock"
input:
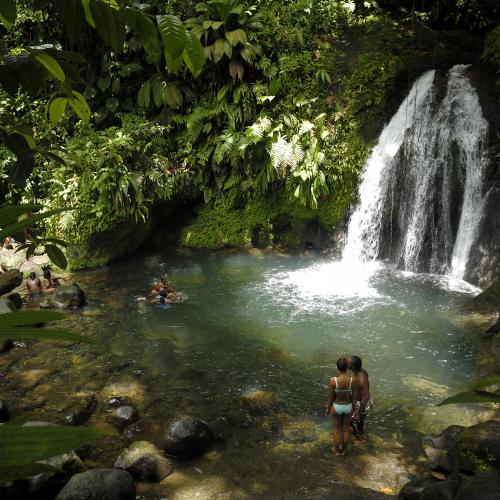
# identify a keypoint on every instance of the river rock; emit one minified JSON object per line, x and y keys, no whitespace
{"x":485,"y":486}
{"x":16,"y":299}
{"x":186,"y":436}
{"x":123,"y":416}
{"x":6,"y":305}
{"x":416,"y":487}
{"x":4,"y":412}
{"x":441,"y":450}
{"x":479,"y":446}
{"x":80,"y":410}
{"x":48,"y":484}
{"x":258,"y":401}
{"x":99,"y":484}
{"x":144,"y":461}
{"x":65,"y":297}
{"x":9,"y":280}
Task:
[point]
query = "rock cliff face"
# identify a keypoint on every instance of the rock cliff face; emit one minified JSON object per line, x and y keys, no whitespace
{"x":484,"y":261}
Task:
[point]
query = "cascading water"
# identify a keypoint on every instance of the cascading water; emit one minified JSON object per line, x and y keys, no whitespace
{"x":421,"y":195}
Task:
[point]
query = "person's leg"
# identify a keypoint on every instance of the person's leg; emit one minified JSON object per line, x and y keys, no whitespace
{"x":336,"y":432}
{"x":346,"y":419}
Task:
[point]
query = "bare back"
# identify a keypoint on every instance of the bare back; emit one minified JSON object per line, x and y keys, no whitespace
{"x":361,"y":389}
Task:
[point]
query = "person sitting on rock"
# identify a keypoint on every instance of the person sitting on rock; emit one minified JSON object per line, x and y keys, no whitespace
{"x":360,"y":397}
{"x":34,"y":285}
{"x":53,"y":282}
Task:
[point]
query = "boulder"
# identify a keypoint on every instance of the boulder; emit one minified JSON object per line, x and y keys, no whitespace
{"x":99,"y":484}
{"x":144,"y":461}
{"x":485,"y":486}
{"x":441,"y":450}
{"x":80,"y":410}
{"x":123,"y":416}
{"x":16,"y":299}
{"x":65,"y":297}
{"x":6,"y":305}
{"x":479,"y":446}
{"x":186,"y":436}
{"x":9,"y":280}
{"x":413,"y":489}
{"x":442,"y":490}
{"x":48,"y":484}
{"x":4,"y":412}
{"x":258,"y":401}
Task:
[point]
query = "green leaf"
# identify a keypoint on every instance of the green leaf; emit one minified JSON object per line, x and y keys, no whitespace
{"x":72,"y":14}
{"x":50,"y":64}
{"x":144,"y":96}
{"x":56,"y":109}
{"x":27,"y":318}
{"x":472,"y":397}
{"x":56,"y":255}
{"x":173,"y":65}
{"x":173,"y":34}
{"x":25,"y":333}
{"x":22,"y":168}
{"x":172,"y":96}
{"x":158,"y":93}
{"x":194,"y":56}
{"x":237,"y":36}
{"x":57,"y":241}
{"x":486,"y":382}
{"x":24,"y":445}
{"x":80,"y":106}
{"x":8,"y":474}
{"x":10,"y":213}
{"x":218,"y":49}
{"x":8,"y":13}
{"x":110,"y":24}
{"x":25,"y":223}
{"x":146,"y":32}
{"x":88,"y":13}
{"x":127,"y":69}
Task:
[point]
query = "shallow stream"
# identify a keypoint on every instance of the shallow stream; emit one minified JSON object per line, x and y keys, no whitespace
{"x":251,"y":350}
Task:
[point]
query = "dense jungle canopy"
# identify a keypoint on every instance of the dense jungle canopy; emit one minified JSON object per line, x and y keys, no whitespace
{"x":114,"y":107}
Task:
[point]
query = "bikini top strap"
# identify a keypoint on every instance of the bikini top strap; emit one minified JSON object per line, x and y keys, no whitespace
{"x":350,"y":385}
{"x":336,"y":383}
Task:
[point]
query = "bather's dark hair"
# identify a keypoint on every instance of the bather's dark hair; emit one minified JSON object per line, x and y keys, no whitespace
{"x":342,"y":364}
{"x":356,"y":363}
{"x":32,"y":276}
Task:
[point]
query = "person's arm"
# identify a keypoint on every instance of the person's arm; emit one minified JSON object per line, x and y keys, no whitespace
{"x":331,"y":396}
{"x":60,"y":278}
{"x":364,"y":391}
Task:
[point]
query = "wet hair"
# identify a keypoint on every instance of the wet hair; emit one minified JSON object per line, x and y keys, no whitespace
{"x":170,"y":290}
{"x":356,"y":363}
{"x":342,"y":364}
{"x":32,"y":276}
{"x":46,"y":272}
{"x":162,"y":293}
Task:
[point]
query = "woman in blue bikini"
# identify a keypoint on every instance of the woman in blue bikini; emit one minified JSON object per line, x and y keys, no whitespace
{"x":340,"y":406}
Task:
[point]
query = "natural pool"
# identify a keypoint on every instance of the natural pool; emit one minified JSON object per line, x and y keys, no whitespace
{"x":275,"y":323}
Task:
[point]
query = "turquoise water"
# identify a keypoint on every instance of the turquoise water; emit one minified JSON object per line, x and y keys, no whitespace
{"x":277,"y":324}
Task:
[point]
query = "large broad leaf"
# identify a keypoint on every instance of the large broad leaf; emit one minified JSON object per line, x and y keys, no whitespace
{"x":22,"y":168}
{"x":56,"y":109}
{"x":27,"y":73}
{"x":11,"y":213}
{"x":172,"y":96}
{"x":72,"y":14}
{"x":194,"y":55}
{"x":144,"y":95}
{"x":80,"y":106}
{"x":173,"y":35}
{"x":88,"y":12}
{"x":173,"y":65}
{"x":56,"y":255}
{"x":8,"y":13}
{"x":472,"y":397}
{"x":25,"y":223}
{"x":26,"y":333}
{"x":28,"y":318}
{"x":237,"y":36}
{"x":146,"y":33}
{"x":486,"y":382}
{"x":50,"y":64}
{"x":110,"y":24}
{"x":23,"y":445}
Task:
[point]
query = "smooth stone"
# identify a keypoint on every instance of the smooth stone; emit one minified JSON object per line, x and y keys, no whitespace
{"x":65,"y":297}
{"x":9,"y":280}
{"x":186,"y":436}
{"x":81,"y":410}
{"x":6,"y":305}
{"x":441,"y":449}
{"x":16,"y":299}
{"x":442,"y":490}
{"x":123,"y":416}
{"x":99,"y":484}
{"x":413,"y":489}
{"x":479,"y":446}
{"x":258,"y":401}
{"x":144,"y":461}
{"x":484,"y":486}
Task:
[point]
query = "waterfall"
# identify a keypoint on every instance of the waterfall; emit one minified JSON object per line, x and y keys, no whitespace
{"x":421,"y":194}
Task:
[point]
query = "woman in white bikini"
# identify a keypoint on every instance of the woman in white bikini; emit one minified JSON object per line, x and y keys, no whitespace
{"x":340,"y":406}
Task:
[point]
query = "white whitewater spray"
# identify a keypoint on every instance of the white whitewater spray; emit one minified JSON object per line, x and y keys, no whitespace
{"x":421,"y":195}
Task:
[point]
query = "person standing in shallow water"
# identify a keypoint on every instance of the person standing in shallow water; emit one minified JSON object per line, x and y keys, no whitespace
{"x":339,"y":406}
{"x":361,"y":398}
